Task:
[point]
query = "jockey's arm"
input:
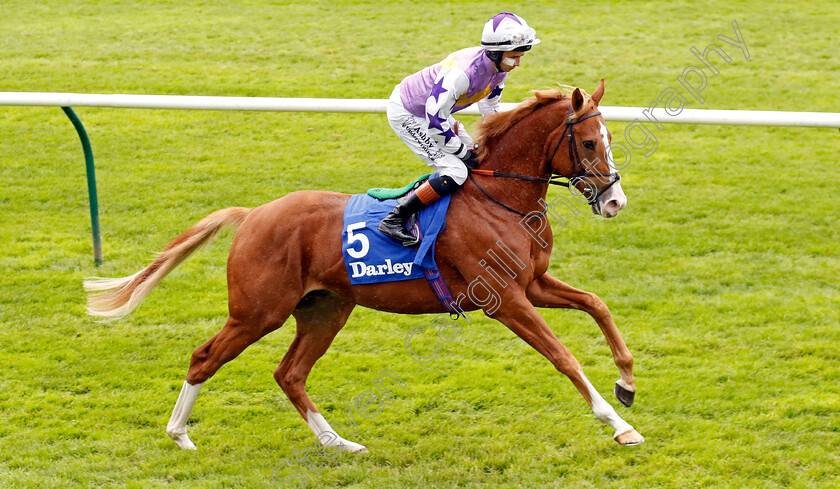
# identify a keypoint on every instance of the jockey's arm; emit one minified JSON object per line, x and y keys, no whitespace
{"x":450,"y":84}
{"x":490,"y":104}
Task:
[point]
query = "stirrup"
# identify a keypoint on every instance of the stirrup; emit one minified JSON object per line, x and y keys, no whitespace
{"x":397,"y":230}
{"x":414,"y":229}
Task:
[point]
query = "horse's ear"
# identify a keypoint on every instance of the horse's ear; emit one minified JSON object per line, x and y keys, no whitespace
{"x":599,"y":92}
{"x":577,"y":100}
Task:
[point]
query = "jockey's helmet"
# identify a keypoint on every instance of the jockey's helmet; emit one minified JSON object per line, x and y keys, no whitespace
{"x":508,"y":32}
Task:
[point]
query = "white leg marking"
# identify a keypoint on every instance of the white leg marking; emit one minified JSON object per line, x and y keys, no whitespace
{"x":319,"y":426}
{"x":177,"y":426}
{"x":625,"y":385}
{"x":604,"y":411}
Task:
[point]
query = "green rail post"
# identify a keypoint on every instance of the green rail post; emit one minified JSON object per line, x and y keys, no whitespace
{"x":91,"y":181}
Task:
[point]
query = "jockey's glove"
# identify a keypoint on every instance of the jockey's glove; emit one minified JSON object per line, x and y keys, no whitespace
{"x":470,"y":159}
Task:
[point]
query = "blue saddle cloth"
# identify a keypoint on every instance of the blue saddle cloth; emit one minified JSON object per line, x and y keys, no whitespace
{"x":372,"y":257}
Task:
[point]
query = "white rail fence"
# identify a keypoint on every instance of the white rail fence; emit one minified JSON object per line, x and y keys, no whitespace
{"x":190,"y":102}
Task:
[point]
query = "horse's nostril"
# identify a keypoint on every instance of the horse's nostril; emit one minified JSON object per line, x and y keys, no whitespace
{"x":612,"y":207}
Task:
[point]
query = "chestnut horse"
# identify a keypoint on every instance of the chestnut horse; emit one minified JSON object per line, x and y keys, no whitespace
{"x":286,"y":259}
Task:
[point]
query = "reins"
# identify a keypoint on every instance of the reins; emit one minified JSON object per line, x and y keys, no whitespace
{"x":554,"y":179}
{"x":510,"y":175}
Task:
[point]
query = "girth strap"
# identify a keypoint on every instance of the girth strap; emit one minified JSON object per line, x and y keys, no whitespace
{"x":438,"y":285}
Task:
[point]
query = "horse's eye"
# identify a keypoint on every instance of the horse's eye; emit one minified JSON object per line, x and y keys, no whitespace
{"x":589,"y":144}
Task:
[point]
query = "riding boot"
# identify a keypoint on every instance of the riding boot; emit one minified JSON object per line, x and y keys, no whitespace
{"x":394,"y":223}
{"x":430,"y":191}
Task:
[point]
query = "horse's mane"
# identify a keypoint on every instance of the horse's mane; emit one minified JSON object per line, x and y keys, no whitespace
{"x":498,"y":123}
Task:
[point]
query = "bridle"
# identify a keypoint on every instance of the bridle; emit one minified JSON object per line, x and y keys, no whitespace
{"x":579,"y":171}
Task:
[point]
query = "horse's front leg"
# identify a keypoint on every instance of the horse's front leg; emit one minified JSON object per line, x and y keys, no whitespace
{"x":547,"y":291}
{"x":520,"y":316}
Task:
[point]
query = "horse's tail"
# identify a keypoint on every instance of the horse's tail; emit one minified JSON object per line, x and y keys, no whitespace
{"x":120,"y":296}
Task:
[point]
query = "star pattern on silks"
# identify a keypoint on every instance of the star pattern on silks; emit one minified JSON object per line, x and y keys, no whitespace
{"x":500,"y":17}
{"x":436,"y":122}
{"x":497,"y":90}
{"x":437,"y":89}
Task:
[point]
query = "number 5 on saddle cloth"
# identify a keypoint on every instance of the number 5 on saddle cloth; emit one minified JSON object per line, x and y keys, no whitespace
{"x":371,"y":257}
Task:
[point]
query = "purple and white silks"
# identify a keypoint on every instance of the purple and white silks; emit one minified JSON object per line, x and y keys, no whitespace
{"x":434,"y":93}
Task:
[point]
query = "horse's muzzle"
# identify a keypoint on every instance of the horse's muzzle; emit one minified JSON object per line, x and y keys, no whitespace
{"x":610,"y":202}
{"x":611,"y":208}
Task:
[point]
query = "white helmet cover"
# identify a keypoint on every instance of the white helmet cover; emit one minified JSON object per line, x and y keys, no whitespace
{"x":507,"y":32}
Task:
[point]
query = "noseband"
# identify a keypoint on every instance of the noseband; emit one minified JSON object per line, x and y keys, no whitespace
{"x":580,"y":171}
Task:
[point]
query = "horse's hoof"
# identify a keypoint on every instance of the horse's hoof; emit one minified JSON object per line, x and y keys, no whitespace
{"x":624,"y":396}
{"x":182,"y":440}
{"x":630,"y":437}
{"x":350,"y":447}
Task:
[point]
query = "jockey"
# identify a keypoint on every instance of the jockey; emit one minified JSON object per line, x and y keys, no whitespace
{"x":420,"y":112}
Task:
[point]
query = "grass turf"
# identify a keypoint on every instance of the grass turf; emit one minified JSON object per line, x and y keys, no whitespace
{"x":721,"y":272}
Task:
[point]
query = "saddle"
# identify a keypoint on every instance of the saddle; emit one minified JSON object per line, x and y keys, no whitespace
{"x":371,"y":257}
{"x":380,"y":193}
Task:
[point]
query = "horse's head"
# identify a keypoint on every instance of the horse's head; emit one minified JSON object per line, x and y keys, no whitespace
{"x":589,"y":163}
{"x":554,"y":133}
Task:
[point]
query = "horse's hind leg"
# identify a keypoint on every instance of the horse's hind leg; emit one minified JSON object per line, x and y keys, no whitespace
{"x":223,"y":347}
{"x":320,"y":316}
